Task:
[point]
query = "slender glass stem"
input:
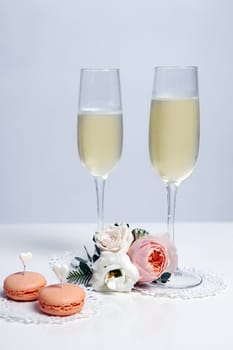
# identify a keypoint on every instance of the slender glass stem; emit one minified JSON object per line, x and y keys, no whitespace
{"x":171,"y":206}
{"x":100,"y":186}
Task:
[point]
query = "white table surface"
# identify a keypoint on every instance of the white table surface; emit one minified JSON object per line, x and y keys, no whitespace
{"x":127,"y":320}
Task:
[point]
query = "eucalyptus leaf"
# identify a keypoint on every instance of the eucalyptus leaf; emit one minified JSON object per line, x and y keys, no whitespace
{"x":139,"y":233}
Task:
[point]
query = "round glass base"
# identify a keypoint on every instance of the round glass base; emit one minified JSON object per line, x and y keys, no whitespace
{"x":182,"y":279}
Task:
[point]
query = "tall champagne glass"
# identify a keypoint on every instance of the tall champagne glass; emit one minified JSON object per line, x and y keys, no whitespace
{"x":174,"y":141}
{"x":100,"y":127}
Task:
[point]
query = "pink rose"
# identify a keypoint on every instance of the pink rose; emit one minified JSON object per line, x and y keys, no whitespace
{"x":153,"y":255}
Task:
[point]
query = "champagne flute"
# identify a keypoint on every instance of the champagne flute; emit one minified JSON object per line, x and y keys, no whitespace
{"x":174,"y":141}
{"x":100,"y":131}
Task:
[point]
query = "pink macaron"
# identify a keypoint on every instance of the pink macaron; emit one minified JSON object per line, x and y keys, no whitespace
{"x":24,"y":286}
{"x":61,"y":299}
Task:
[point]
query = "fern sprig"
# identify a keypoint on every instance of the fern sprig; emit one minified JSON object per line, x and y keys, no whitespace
{"x":79,"y":276}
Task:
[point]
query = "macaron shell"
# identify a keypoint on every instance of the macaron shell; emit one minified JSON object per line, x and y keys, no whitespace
{"x":61,"y":299}
{"x":24,"y":286}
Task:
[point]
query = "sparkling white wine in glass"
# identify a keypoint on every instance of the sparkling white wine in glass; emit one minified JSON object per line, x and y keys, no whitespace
{"x":100,"y":129}
{"x":174,"y":137}
{"x":100,"y":141}
{"x":174,"y":141}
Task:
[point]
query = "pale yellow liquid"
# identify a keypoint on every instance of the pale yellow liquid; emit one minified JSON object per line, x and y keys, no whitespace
{"x":174,"y":137}
{"x":100,"y":141}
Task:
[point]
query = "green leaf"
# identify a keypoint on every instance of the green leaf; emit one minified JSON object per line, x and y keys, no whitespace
{"x":84,"y":267}
{"x":117,"y":224}
{"x":139,"y":233}
{"x":97,"y":249}
{"x":95,"y":257}
{"x":80,"y":277}
{"x":81,"y":259}
{"x":164,"y":278}
{"x":88,"y":255}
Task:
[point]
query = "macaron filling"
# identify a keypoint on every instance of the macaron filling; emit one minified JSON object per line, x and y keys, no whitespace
{"x":69,"y":307}
{"x":20,"y":293}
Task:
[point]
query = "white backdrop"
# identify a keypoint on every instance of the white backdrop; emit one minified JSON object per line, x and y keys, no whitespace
{"x":44,"y":43}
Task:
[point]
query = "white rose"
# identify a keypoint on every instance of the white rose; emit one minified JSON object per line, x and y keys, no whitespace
{"x":114,"y":272}
{"x":116,"y":239}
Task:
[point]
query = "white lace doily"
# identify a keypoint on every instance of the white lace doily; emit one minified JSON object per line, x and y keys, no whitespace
{"x":211,"y":285}
{"x":66,"y":258}
{"x":28,"y":312}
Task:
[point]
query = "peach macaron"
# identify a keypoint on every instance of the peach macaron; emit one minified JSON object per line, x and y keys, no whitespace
{"x":24,"y":286}
{"x":61,"y":299}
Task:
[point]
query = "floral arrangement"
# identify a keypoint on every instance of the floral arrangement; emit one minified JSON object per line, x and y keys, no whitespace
{"x":123,"y":258}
